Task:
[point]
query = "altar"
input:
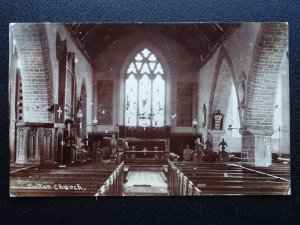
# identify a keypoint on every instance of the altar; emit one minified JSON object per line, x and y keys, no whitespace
{"x":146,"y":149}
{"x":150,"y":143}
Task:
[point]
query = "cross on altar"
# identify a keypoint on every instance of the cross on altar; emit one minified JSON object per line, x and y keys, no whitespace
{"x":59,"y":112}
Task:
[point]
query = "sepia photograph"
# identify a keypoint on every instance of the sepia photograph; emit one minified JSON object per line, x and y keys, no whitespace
{"x":149,"y":109}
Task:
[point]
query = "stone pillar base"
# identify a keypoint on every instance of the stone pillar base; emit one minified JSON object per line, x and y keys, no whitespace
{"x":257,"y":149}
{"x":19,"y":161}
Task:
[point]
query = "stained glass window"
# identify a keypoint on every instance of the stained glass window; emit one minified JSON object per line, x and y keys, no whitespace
{"x":158,"y":102}
{"x":145,"y":91}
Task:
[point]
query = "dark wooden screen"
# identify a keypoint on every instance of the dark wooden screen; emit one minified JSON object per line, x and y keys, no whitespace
{"x":184,"y":104}
{"x":105,"y":102}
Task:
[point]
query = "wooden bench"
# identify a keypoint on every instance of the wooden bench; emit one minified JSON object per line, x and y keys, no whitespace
{"x":52,"y":180}
{"x":226,"y":179}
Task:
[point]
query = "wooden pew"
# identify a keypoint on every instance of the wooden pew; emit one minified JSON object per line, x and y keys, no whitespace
{"x":52,"y":180}
{"x":222,"y":185}
{"x":226,"y":179}
{"x":279,"y":170}
{"x":114,"y":184}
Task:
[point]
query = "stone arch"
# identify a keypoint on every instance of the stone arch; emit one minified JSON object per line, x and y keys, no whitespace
{"x":241,"y":88}
{"x":167,"y":73}
{"x":241,"y":95}
{"x":224,"y":76}
{"x":35,"y":66}
{"x":14,"y":94}
{"x":232,"y":119}
{"x":263,"y":77}
{"x":271,"y":45}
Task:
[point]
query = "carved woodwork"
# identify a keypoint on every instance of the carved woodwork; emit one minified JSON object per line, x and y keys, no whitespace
{"x":35,"y":143}
{"x":105,"y":102}
{"x":184,"y":104}
{"x":217,"y":121}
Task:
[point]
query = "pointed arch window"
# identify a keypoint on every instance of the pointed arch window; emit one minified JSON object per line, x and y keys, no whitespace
{"x":145,"y":91}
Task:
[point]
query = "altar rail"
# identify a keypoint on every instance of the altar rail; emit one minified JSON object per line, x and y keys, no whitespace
{"x":227,"y":179}
{"x":144,"y":132}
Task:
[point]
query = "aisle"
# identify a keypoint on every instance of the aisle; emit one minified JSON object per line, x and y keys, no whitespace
{"x":145,"y":183}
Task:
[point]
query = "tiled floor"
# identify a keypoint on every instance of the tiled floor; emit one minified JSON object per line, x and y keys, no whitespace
{"x":146,"y":183}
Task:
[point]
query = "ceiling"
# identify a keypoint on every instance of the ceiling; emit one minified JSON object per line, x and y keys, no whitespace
{"x":199,"y":39}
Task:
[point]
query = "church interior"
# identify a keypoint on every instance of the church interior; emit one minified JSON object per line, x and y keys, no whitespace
{"x":149,"y":109}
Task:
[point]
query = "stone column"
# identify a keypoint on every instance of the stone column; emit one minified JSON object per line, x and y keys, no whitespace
{"x":285,"y":129}
{"x":257,"y":148}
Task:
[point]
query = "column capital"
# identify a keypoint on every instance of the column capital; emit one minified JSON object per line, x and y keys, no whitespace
{"x":257,"y":131}
{"x":216,"y":131}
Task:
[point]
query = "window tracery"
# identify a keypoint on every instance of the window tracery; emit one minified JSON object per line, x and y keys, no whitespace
{"x":145,"y":91}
